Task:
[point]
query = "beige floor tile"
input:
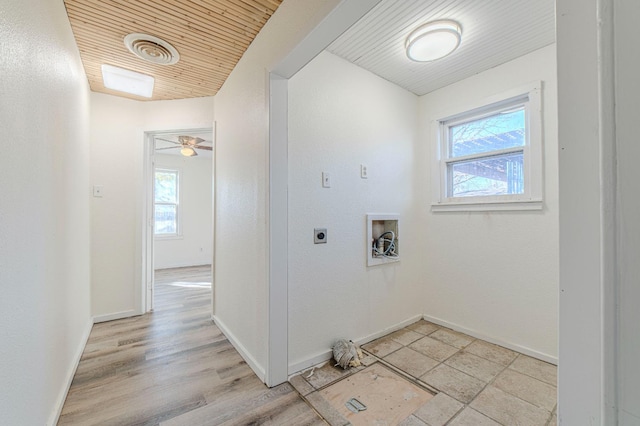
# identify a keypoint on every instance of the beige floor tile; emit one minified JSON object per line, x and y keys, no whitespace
{"x":367,"y":360}
{"x":509,"y":410}
{"x":382,"y":347}
{"x":302,"y":386}
{"x":439,"y":410}
{"x":423,"y":327}
{"x":470,"y":417}
{"x":433,"y":348}
{"x":494,"y":353}
{"x":405,"y":336}
{"x":411,"y":362}
{"x":452,"y":338}
{"x":537,"y":369}
{"x":475,"y":366}
{"x":326,"y":374}
{"x":554,"y":420}
{"x":454,"y":383}
{"x":527,"y":388}
{"x":412,"y":421}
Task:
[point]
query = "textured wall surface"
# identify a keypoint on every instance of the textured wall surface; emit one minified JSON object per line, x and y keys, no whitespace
{"x":44,"y":212}
{"x":341,"y":116}
{"x":242,"y":138}
{"x":496,"y":273}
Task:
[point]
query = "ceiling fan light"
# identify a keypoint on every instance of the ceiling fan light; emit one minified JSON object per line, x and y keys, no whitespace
{"x":433,"y":40}
{"x":188,"y":152}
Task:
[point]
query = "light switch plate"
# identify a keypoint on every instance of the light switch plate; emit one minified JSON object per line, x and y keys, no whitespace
{"x":326,"y":180}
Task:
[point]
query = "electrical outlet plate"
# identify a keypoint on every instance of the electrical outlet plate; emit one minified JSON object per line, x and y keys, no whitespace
{"x":363,"y":171}
{"x":320,"y":235}
{"x":97,"y":191}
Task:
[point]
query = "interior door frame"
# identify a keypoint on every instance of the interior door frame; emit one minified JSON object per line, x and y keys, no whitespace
{"x":146,"y":284}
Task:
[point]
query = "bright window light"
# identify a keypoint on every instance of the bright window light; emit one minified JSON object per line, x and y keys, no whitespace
{"x":489,"y":157}
{"x":127,"y":81}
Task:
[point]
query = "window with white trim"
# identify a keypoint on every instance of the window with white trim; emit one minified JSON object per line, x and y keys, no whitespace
{"x":490,"y":157}
{"x":166,"y":206}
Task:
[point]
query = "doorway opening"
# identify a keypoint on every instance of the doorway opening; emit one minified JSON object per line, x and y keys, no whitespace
{"x":178,"y":213}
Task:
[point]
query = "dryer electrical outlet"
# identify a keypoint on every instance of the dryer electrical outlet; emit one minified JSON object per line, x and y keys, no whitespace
{"x":320,"y":235}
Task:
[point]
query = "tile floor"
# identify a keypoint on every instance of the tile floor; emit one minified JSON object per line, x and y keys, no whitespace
{"x":476,"y":383}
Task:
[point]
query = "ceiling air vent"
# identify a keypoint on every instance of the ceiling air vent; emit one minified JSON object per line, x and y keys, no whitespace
{"x":151,"y":49}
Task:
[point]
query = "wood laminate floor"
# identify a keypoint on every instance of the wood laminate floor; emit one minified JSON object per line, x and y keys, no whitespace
{"x":174,"y":367}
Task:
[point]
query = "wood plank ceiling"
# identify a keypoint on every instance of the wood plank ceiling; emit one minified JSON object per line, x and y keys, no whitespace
{"x":210,"y":36}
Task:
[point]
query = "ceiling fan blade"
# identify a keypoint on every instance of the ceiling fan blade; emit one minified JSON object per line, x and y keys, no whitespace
{"x":206,"y":148}
{"x":167,"y":140}
{"x":168,"y":147}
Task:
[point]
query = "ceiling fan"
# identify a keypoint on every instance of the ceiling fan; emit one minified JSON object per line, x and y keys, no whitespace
{"x":187,"y":145}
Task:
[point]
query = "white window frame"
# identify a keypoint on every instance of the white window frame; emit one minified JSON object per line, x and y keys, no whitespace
{"x":178,"y":233}
{"x":531,"y":199}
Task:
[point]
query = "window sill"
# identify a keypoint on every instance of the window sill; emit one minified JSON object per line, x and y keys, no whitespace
{"x":168,"y":237}
{"x":486,"y":206}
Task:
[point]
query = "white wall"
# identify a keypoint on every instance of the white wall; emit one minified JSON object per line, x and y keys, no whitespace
{"x":598,"y":65}
{"x":241,"y":169}
{"x":583,"y":372}
{"x":341,"y":116}
{"x":117,"y":136}
{"x":44,"y":212}
{"x":494,"y":274}
{"x":627,"y":96}
{"x":194,"y":246}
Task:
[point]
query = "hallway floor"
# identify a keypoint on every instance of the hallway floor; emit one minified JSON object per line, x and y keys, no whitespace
{"x":475,"y":382}
{"x":174,"y":367}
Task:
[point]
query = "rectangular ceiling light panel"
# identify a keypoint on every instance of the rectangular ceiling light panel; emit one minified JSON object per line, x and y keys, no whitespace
{"x":127,"y":81}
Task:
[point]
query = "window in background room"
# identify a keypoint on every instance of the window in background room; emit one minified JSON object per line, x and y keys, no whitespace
{"x":490,"y":156}
{"x":166,"y":202}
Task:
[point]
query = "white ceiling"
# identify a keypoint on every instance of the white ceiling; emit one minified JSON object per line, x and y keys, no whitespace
{"x":161,"y":142}
{"x":493,"y":32}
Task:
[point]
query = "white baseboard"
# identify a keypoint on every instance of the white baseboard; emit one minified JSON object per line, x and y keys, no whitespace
{"x":324,"y":356}
{"x":62,"y":396}
{"x":244,"y":353}
{"x":312,"y":361}
{"x":396,"y":327}
{"x":114,"y":316}
{"x":479,"y":335}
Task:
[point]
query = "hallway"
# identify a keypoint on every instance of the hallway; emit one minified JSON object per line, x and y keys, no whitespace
{"x":174,"y":367}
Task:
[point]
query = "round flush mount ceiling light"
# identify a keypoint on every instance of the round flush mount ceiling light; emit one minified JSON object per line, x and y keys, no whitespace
{"x":151,"y":49}
{"x":433,"y":40}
